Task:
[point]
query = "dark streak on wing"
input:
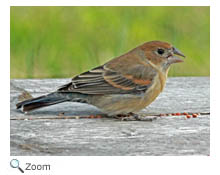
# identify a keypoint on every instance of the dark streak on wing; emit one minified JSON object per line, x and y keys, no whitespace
{"x":102,"y":81}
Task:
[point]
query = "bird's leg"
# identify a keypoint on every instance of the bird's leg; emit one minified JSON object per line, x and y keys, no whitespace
{"x":135,"y":117}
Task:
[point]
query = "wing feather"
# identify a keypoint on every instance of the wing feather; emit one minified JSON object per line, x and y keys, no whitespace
{"x":102,"y":80}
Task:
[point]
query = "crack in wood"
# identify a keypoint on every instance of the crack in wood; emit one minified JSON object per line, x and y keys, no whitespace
{"x":103,"y":116}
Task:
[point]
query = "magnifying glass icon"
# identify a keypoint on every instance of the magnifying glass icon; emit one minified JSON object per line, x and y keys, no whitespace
{"x":15,"y":164}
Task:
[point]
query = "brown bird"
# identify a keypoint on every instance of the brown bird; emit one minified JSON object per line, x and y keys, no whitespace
{"x":124,"y":85}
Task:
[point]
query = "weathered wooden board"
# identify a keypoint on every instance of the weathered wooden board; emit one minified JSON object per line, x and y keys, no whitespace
{"x":42,"y":132}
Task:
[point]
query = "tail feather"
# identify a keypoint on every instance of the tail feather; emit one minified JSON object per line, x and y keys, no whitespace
{"x":42,"y":101}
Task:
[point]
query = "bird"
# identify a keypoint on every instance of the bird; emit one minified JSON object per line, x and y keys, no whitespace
{"x":122,"y":86}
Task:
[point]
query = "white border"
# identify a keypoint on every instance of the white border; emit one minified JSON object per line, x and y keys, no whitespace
{"x":114,"y":165}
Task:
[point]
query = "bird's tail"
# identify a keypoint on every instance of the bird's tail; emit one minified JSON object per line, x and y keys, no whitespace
{"x":42,"y":101}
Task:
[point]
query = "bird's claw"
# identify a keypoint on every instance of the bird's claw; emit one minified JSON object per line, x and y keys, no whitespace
{"x":135,"y":117}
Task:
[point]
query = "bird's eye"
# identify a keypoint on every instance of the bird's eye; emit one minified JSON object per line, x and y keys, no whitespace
{"x":160,"y":51}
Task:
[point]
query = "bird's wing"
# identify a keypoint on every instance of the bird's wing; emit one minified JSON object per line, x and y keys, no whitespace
{"x":103,"y":80}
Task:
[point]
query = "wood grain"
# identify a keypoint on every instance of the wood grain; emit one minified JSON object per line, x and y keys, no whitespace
{"x":55,"y":131}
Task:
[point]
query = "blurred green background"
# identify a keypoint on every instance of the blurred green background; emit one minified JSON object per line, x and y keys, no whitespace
{"x":53,"y":42}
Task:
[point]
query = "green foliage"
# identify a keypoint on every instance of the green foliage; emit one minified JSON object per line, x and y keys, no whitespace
{"x":49,"y":42}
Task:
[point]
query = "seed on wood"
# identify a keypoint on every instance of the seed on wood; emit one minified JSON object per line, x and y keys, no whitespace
{"x":188,"y":116}
{"x":91,"y":116}
{"x":194,"y":115}
{"x":98,"y":116}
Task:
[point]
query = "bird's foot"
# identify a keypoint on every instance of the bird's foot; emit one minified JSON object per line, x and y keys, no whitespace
{"x":135,"y":117}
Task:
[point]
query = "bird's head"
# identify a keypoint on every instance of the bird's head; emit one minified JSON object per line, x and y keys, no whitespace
{"x":161,"y":54}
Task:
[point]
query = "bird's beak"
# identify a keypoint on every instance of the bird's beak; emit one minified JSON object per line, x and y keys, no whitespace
{"x":174,"y":59}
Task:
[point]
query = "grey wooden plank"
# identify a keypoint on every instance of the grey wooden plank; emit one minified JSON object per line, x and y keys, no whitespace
{"x":165,"y":136}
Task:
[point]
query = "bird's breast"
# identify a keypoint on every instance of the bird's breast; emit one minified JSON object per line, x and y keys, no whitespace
{"x":153,"y":91}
